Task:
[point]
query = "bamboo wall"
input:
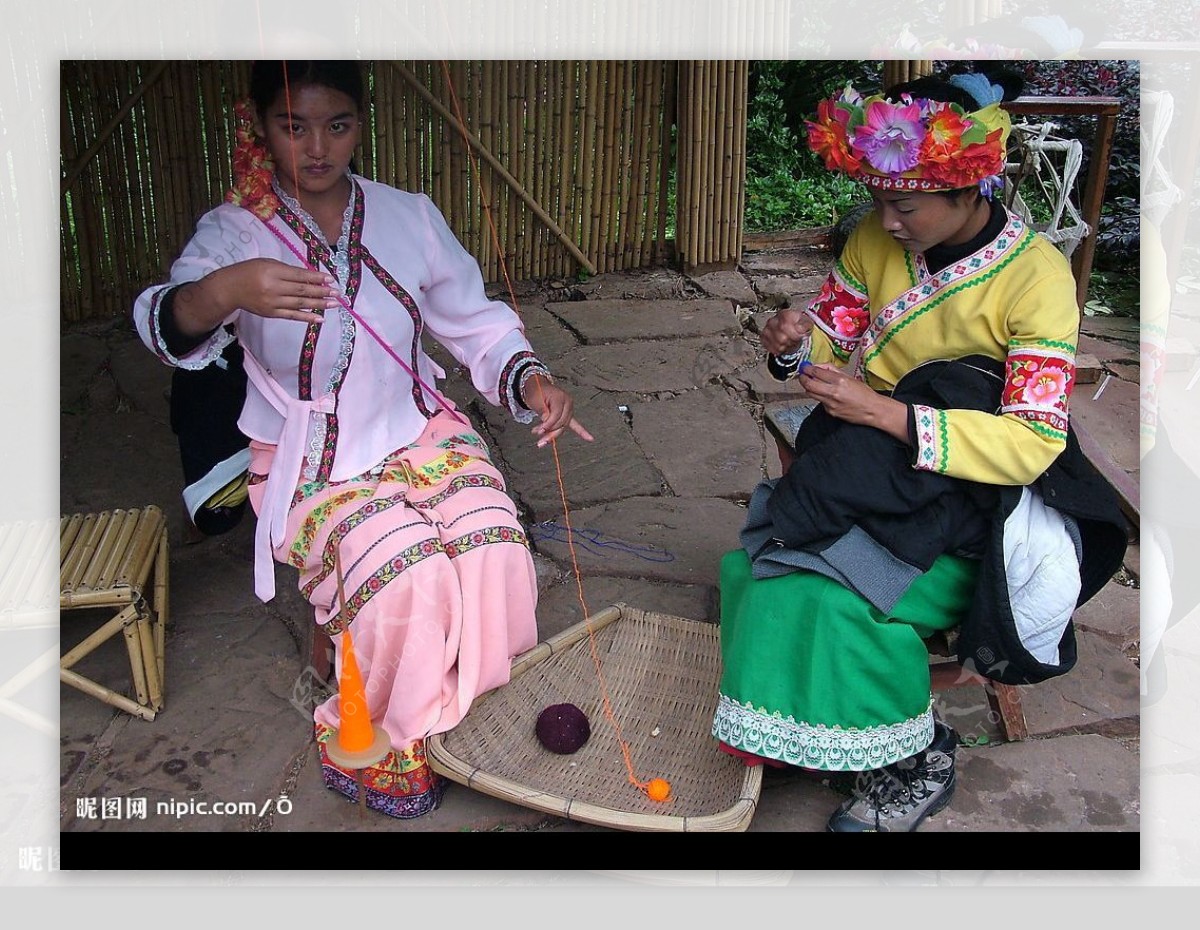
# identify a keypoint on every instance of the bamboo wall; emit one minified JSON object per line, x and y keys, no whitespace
{"x":573,"y":161}
{"x":711,"y":162}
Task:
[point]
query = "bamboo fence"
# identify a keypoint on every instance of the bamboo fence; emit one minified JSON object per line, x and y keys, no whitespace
{"x":568,"y":161}
{"x":711,"y":162}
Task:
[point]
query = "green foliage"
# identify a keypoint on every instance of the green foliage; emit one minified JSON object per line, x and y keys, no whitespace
{"x":787,"y":187}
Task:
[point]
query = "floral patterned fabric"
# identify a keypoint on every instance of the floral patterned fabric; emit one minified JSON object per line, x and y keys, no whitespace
{"x":439,"y":588}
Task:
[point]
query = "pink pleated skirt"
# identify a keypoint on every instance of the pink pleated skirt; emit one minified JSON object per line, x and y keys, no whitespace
{"x":440,"y":594}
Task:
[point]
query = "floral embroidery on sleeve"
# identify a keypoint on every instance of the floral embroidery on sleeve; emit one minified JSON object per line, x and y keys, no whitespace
{"x":1040,"y":378}
{"x":840,"y":311}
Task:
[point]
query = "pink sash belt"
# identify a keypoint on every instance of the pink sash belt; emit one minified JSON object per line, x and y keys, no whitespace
{"x":285,"y":470}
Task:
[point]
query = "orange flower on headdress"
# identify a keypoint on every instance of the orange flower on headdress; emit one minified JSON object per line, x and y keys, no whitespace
{"x":966,"y":166}
{"x":944,"y":133}
{"x":253,"y":168}
{"x":828,"y":137}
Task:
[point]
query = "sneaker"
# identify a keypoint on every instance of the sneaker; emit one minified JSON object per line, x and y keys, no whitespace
{"x":896,"y":798}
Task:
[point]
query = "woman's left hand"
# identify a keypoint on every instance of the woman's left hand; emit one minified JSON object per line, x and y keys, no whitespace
{"x":553,"y":406}
{"x":854,"y":401}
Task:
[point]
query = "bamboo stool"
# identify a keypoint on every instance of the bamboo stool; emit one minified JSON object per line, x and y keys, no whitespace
{"x":108,"y":560}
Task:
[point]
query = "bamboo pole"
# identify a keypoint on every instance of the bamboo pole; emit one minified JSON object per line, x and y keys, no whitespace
{"x":655,"y":85}
{"x":122,"y":241}
{"x":739,"y":122}
{"x":604,"y":202}
{"x":625,"y":226}
{"x":389,"y":110}
{"x":514,"y":133}
{"x":696,"y":102}
{"x":719,"y":222}
{"x":91,"y":245}
{"x":479,"y":190}
{"x":590,"y":128}
{"x":670,"y":109}
{"x":415,"y":115}
{"x":99,"y":206}
{"x":568,"y":152}
{"x":636,"y":135}
{"x":102,"y":135}
{"x":74,"y":253}
{"x":546,"y":72}
{"x":497,"y":166}
{"x":460,"y":186}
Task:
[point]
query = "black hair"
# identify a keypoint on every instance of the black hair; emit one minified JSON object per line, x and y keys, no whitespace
{"x":940,"y":88}
{"x":267,"y":79}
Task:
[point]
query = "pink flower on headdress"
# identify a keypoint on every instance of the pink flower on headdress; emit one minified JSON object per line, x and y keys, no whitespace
{"x":891,"y":136}
{"x":828,"y":137}
{"x":1046,"y":387}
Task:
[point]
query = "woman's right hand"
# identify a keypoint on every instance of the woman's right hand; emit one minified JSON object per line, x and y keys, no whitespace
{"x":785,"y":330}
{"x":263,"y":286}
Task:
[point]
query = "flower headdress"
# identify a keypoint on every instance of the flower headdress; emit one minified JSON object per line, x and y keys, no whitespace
{"x":915,"y":144}
{"x":253,"y":168}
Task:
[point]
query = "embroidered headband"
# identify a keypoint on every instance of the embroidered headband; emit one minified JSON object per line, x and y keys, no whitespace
{"x":916,"y":144}
{"x":253,"y":167}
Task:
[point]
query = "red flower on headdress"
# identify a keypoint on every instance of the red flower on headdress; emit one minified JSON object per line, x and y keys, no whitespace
{"x":253,"y":168}
{"x":827,"y":136}
{"x":970,"y":165}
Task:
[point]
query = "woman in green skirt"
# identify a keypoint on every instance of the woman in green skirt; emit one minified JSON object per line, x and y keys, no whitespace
{"x":941,"y":350}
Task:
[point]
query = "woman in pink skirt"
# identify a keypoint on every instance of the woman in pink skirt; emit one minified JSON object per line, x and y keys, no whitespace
{"x":329,"y":281}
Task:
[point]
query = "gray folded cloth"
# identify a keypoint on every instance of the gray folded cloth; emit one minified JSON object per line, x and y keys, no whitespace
{"x":854,"y":560}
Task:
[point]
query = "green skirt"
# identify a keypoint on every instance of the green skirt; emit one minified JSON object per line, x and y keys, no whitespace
{"x":814,"y":675}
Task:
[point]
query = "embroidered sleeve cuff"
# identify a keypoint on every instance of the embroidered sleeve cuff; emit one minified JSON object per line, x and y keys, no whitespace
{"x":174,"y":347}
{"x":520,"y":368}
{"x":785,"y":367}
{"x":931,"y":435}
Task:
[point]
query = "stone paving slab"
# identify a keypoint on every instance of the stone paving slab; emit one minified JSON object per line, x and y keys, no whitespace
{"x":643,"y":284}
{"x":790,"y":262}
{"x":227,"y":733}
{"x":729,"y":285}
{"x":551,"y":340}
{"x":1108,"y":421}
{"x":696,"y":459}
{"x":785,"y":290}
{"x":1100,"y":694}
{"x":558,"y":605}
{"x":146,"y":387}
{"x":81,"y":357}
{"x":1104,"y":349}
{"x":610,"y":467}
{"x":1075,"y":783}
{"x":655,"y":366}
{"x":603,"y":321}
{"x":765,"y":389}
{"x":644,"y":537}
{"x":1114,"y":611}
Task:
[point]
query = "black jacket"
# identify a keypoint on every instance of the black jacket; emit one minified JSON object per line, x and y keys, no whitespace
{"x":848,"y":475}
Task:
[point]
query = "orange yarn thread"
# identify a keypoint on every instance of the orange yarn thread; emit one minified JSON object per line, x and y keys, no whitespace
{"x":654,"y":786}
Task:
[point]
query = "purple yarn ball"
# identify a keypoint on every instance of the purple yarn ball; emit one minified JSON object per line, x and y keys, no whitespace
{"x":563,"y":728}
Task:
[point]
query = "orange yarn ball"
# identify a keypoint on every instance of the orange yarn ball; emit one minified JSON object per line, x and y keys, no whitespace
{"x":659,"y":789}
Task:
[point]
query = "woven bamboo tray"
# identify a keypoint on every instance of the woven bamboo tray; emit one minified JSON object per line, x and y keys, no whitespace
{"x":661,"y":673}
